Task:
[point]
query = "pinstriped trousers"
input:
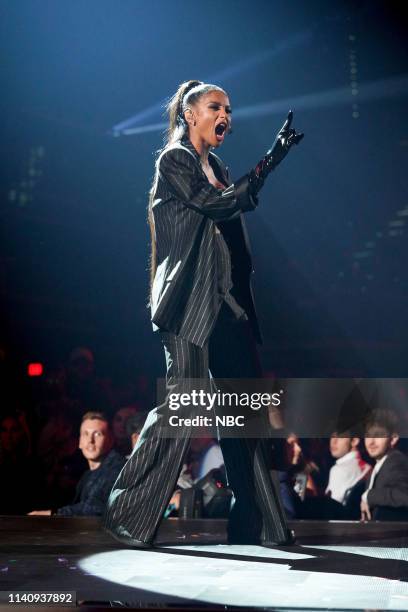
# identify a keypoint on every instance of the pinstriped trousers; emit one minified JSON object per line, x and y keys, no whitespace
{"x":147,"y":481}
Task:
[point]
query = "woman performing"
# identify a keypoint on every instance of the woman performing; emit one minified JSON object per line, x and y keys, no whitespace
{"x":202,"y":306}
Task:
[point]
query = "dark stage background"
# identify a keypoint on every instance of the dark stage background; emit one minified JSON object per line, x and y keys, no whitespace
{"x":82,"y":84}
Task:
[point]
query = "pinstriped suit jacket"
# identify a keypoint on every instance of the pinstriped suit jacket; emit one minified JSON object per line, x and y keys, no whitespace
{"x":185,"y":299}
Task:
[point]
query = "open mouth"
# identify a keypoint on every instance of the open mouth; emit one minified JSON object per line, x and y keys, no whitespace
{"x":220,"y":129}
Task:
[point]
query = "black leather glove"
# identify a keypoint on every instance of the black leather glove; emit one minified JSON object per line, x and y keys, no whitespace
{"x":286,"y":137}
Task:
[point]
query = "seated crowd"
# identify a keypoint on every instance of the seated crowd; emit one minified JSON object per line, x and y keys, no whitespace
{"x":64,"y":458}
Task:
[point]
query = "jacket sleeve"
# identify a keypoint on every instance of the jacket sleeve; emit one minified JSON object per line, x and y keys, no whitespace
{"x":83,"y":508}
{"x":190,"y":186}
{"x":94,"y":497}
{"x":392,"y":493}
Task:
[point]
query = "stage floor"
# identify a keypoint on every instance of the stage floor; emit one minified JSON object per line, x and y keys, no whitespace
{"x":334,"y":566}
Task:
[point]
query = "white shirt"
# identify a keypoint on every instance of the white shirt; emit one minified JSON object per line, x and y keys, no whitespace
{"x":374,"y":473}
{"x":345,"y":473}
{"x":212,"y":460}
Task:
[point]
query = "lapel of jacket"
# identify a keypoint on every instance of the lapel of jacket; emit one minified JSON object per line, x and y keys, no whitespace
{"x":381,"y":472}
{"x":186,"y":142}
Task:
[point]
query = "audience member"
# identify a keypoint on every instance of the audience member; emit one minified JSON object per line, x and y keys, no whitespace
{"x":349,"y":468}
{"x":345,"y":483}
{"x":386,"y":497}
{"x":94,"y":487}
{"x":339,"y":498}
{"x":122,"y":440}
{"x":302,"y":468}
{"x":285,"y":453}
{"x":205,"y":455}
{"x":134,"y":426}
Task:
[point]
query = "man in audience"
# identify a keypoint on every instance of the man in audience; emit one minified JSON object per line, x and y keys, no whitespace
{"x":133,"y":426}
{"x":346,"y":482}
{"x":349,"y":468}
{"x":121,"y":438}
{"x":386,"y":497}
{"x":94,"y":487}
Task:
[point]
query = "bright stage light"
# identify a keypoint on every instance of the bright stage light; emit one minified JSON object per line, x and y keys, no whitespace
{"x":222,"y":580}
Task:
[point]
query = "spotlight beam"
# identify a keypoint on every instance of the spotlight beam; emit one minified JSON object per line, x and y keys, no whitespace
{"x":395,"y":87}
{"x":221,"y":76}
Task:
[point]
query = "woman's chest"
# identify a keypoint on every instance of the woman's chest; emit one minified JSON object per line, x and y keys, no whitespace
{"x":209,"y":172}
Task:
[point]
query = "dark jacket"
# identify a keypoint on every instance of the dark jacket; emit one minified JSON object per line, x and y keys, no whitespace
{"x":185,"y":300}
{"x":389,"y":496}
{"x":94,"y":487}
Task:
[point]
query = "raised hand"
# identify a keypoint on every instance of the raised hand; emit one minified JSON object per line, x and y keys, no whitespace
{"x":287,"y":136}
